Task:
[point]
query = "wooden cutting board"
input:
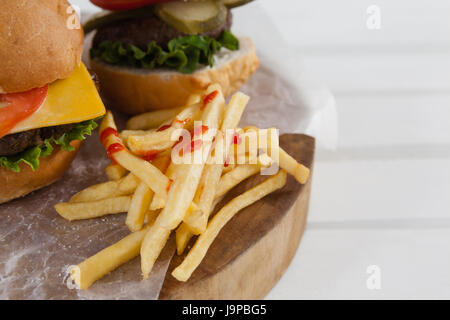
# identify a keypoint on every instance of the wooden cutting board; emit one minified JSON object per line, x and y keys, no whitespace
{"x":254,"y":249}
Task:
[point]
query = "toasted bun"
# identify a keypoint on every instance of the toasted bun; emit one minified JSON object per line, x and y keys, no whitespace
{"x":135,"y":91}
{"x":51,"y":168}
{"x":36,"y":45}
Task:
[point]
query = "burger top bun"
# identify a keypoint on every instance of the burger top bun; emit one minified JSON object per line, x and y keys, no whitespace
{"x":40,"y":42}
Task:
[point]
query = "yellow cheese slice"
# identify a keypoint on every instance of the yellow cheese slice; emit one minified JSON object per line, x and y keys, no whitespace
{"x":70,"y":100}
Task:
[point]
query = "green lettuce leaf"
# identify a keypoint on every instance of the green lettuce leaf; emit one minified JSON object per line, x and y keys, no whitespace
{"x":32,"y":155}
{"x":183,"y":53}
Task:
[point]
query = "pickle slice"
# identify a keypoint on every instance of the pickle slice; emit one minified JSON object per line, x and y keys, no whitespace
{"x":193,"y":17}
{"x":110,"y":17}
{"x":235,"y":3}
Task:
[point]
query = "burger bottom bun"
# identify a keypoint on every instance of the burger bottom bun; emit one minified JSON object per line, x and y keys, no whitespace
{"x":51,"y":168}
{"x":134,"y":91}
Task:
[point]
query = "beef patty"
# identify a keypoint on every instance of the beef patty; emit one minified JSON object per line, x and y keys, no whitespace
{"x":18,"y":142}
{"x":141,"y":31}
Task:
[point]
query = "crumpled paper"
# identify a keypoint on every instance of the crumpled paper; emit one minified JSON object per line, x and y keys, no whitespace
{"x":37,"y":246}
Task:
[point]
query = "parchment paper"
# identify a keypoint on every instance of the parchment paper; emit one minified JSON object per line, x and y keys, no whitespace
{"x":37,"y":246}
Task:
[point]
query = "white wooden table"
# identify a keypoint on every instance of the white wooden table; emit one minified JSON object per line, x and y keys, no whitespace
{"x":383,"y":198}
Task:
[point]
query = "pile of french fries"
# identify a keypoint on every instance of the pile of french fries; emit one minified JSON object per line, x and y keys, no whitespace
{"x":169,"y":170}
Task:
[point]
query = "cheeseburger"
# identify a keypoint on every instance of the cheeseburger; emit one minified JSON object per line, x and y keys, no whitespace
{"x":152,"y":54}
{"x":48,"y":100}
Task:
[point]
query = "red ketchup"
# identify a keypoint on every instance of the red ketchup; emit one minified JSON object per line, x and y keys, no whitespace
{"x":237,"y":138}
{"x":183,"y":122}
{"x":106,"y":133}
{"x":149,"y":155}
{"x":200,"y":130}
{"x":164,"y":127}
{"x":113,"y":148}
{"x":167,"y":126}
{"x":169,"y":185}
{"x":195,"y":144}
{"x":209,"y":97}
{"x":178,"y":143}
{"x":188,"y":148}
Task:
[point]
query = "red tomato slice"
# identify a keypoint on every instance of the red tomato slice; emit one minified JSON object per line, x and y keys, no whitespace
{"x":15,"y":107}
{"x":117,"y":5}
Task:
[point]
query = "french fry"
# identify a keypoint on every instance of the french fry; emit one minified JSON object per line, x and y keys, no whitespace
{"x":105,"y":261}
{"x":122,"y":187}
{"x":147,"y":141}
{"x":88,"y":210}
{"x":197,"y":221}
{"x":162,"y":161}
{"x":145,"y":171}
{"x":168,"y":136}
{"x":250,"y":128}
{"x":247,"y":150}
{"x":188,"y":176}
{"x":155,"y":119}
{"x":126,"y":133}
{"x":184,"y":232}
{"x":228,"y":167}
{"x":182,"y":237}
{"x":115,"y":171}
{"x":204,"y":241}
{"x":299,"y":171}
{"x":152,"y":119}
{"x":234,"y":111}
{"x":212,"y":172}
{"x":234,"y":177}
{"x":285,"y":161}
{"x":241,"y":172}
{"x":141,"y":199}
{"x":151,"y":216}
{"x":139,"y":205}
{"x":158,"y":201}
{"x":182,"y":190}
{"x":129,"y":183}
{"x":193,"y":99}
{"x":171,"y":170}
{"x":227,"y":182}
{"x":157,"y":148}
{"x":152,"y":245}
{"x":204,"y":198}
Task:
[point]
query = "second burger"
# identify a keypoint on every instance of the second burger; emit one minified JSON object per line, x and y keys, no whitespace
{"x":152,"y":54}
